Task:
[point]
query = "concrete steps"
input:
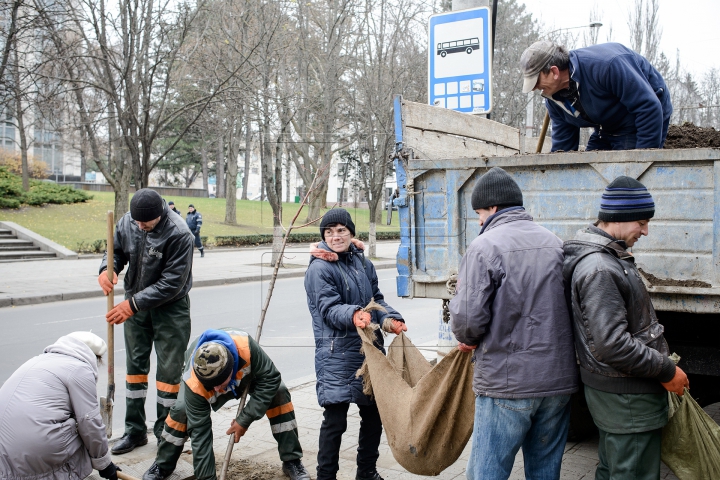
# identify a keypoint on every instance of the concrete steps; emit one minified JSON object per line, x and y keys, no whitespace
{"x":12,"y":248}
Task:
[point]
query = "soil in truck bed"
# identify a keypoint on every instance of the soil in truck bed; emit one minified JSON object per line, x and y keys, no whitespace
{"x":670,"y":282}
{"x":689,"y":135}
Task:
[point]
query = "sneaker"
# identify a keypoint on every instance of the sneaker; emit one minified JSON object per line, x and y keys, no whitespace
{"x":374,"y":476}
{"x":156,"y":473}
{"x":128,"y":443}
{"x":293,"y":469}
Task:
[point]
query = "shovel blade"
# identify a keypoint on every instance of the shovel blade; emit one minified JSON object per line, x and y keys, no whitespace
{"x":106,"y":409}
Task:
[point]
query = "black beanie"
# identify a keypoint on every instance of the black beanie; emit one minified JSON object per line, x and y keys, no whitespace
{"x":496,"y":187}
{"x":146,"y":205}
{"x":336,"y":215}
{"x":626,"y":200}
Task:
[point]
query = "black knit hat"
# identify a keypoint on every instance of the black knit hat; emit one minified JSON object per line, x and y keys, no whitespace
{"x":626,"y":200}
{"x":146,"y":205}
{"x":334,"y":216}
{"x":496,"y":187}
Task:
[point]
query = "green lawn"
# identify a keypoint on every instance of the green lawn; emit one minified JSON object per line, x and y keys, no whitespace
{"x":70,"y":225}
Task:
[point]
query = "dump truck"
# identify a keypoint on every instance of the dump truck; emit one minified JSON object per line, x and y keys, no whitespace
{"x":440,"y":154}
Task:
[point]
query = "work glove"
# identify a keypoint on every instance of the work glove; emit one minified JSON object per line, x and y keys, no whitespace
{"x":678,"y":383}
{"x":105,"y":282}
{"x":466,"y":348}
{"x":361,"y":319}
{"x":120,"y":313}
{"x":110,"y":472}
{"x":398,"y":326}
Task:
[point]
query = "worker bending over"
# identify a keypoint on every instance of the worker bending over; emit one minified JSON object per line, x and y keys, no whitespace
{"x":218,"y":367}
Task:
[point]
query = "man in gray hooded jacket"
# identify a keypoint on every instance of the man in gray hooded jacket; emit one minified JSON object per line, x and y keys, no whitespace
{"x":50,"y":424}
{"x":623,"y":355}
{"x":510,"y":310}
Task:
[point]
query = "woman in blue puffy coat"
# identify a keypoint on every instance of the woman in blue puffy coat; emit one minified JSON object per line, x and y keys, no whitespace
{"x":339,"y":282}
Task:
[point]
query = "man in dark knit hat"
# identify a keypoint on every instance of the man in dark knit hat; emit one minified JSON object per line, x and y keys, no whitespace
{"x":157,"y":246}
{"x":623,"y":355}
{"x":510,"y":313}
{"x":219,"y":365}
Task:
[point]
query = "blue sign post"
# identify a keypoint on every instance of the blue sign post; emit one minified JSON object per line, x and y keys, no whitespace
{"x":460,"y":67}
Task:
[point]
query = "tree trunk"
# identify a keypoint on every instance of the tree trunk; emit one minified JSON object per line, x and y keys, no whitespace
{"x":220,"y":169}
{"x":21,"y":124}
{"x":122,"y":200}
{"x":287,"y":179}
{"x":246,"y":164}
{"x":231,"y":179}
{"x":372,"y":242}
{"x":318,"y":200}
{"x":204,"y":157}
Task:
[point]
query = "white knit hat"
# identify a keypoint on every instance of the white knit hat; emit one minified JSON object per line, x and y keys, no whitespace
{"x":96,"y":344}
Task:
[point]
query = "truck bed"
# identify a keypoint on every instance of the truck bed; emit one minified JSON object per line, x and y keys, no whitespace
{"x":441,"y":154}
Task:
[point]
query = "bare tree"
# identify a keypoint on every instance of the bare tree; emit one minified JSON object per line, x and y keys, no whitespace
{"x":389,"y":52}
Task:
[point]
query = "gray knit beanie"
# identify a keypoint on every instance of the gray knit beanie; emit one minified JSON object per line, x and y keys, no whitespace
{"x":626,"y":200}
{"x":496,"y":187}
{"x":146,"y":205}
{"x":212,"y":364}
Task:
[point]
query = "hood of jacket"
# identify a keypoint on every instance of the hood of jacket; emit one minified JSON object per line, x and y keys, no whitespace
{"x":74,"y":348}
{"x":323,"y":251}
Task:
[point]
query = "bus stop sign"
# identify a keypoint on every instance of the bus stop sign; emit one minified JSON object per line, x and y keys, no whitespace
{"x":459,"y":67}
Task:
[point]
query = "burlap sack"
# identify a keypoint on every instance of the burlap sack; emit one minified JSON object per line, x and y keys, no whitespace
{"x":691,"y":440}
{"x":427,"y":411}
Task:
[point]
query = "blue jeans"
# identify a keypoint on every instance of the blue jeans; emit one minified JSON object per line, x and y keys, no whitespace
{"x":538,"y":425}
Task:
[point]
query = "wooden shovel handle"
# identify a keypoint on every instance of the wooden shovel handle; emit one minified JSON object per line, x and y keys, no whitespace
{"x":111,"y":305}
{"x":123,"y":476}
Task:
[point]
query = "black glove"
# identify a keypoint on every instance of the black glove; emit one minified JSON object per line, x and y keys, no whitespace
{"x":110,"y":472}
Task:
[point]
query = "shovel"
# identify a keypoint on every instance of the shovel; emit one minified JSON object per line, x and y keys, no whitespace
{"x":106,"y":403}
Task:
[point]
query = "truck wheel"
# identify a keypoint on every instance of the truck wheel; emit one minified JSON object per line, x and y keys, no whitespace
{"x":581,"y":422}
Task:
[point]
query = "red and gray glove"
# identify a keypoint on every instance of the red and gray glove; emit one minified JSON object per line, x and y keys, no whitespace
{"x":120,"y":313}
{"x":104,"y":282}
{"x":466,"y":348}
{"x":361,"y":319}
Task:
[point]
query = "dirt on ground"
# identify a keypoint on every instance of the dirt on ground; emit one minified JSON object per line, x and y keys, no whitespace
{"x":669,"y":282}
{"x":247,"y":470}
{"x":689,"y":135}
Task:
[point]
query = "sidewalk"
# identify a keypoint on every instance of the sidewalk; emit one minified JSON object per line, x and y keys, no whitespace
{"x":257,"y":451}
{"x":42,"y":281}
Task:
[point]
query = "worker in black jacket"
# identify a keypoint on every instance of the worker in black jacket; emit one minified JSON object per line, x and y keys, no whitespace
{"x":623,"y":356}
{"x":194,"y":222}
{"x":157,"y":246}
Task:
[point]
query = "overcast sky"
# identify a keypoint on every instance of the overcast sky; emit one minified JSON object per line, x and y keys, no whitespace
{"x":688,"y":25}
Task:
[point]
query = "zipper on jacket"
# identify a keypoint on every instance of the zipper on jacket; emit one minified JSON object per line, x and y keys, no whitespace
{"x":140,"y":266}
{"x":332,"y":345}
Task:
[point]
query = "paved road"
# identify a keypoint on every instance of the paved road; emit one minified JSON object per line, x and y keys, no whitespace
{"x":287,"y":335}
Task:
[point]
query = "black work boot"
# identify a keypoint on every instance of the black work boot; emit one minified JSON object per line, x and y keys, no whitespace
{"x":293,"y":469}
{"x":128,"y":443}
{"x":156,"y":473}
{"x":202,"y":252}
{"x":373,"y":476}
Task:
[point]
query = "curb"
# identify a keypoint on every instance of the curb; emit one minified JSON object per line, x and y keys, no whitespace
{"x":20,"y":300}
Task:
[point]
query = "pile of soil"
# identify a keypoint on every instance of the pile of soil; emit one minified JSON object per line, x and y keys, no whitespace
{"x":247,"y":470}
{"x":669,"y":282}
{"x":689,"y":135}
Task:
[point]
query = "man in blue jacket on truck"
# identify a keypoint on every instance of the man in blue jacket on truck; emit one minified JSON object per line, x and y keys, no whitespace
{"x":607,"y":87}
